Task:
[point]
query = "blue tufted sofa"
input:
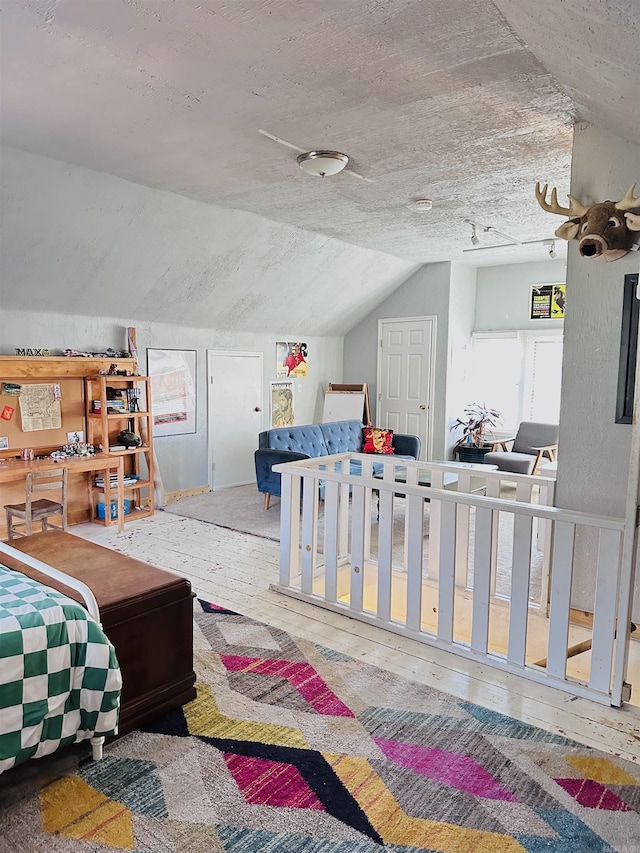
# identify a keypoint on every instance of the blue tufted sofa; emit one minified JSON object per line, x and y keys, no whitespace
{"x":289,"y":444}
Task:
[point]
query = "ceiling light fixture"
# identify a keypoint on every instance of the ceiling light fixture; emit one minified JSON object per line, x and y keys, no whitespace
{"x":322,"y":163}
{"x":488,"y":229}
{"x":552,"y":248}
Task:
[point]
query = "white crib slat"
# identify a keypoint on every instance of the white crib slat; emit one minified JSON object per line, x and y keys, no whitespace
{"x":560,"y":599}
{"x":604,"y":615}
{"x":433,"y":566}
{"x":331,"y":509}
{"x":482,"y":580}
{"x":385,"y":549}
{"x":367,"y":472}
{"x":446,"y":587}
{"x":289,"y":528}
{"x":310,"y":501}
{"x":357,"y":547}
{"x":415,"y":520}
{"x":520,"y":572}
{"x":462,"y":532}
{"x":343,"y":532}
{"x":493,"y":491}
{"x":546,"y":498}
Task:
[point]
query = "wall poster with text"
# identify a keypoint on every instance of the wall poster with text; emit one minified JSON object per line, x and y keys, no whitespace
{"x":282,"y":403}
{"x":548,"y":301}
{"x":173,"y":390}
{"x":291,"y":359}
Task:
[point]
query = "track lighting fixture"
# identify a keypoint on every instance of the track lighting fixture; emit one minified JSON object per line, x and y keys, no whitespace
{"x":487,"y":229}
{"x":552,"y":248}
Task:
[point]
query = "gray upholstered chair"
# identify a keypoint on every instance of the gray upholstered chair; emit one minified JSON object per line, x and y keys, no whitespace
{"x":532,"y":442}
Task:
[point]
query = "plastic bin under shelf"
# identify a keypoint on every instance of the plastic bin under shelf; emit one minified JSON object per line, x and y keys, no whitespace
{"x":113,"y":509}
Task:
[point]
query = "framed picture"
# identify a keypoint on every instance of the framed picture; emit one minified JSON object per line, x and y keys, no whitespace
{"x":628,"y":347}
{"x":173,"y":390}
{"x":547,"y":301}
{"x":282,"y":403}
{"x":292,"y":359}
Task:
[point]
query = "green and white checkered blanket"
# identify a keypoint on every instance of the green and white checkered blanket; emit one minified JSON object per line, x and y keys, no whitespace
{"x":59,"y":677}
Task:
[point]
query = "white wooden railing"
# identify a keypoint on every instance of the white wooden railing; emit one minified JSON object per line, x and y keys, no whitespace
{"x":491,"y":580}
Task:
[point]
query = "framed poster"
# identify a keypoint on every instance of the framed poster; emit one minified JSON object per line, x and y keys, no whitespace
{"x":291,"y":359}
{"x":281,"y":397}
{"x":628,"y":347}
{"x":173,"y":390}
{"x":547,"y":301}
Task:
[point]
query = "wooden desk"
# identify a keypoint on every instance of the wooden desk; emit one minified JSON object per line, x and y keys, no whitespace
{"x":13,"y":471}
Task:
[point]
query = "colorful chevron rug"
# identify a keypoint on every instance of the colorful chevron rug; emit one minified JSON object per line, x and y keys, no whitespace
{"x":296,"y":748}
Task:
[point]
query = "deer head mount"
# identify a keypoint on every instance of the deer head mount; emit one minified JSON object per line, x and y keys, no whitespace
{"x":606,"y":230}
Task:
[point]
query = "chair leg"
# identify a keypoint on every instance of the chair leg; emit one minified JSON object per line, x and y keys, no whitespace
{"x":267,"y":499}
{"x":9,"y":525}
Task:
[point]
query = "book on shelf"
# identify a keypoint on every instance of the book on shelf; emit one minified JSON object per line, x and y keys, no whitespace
{"x":128,"y":480}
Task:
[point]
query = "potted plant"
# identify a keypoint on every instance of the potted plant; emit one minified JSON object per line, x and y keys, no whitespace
{"x":476,"y":420}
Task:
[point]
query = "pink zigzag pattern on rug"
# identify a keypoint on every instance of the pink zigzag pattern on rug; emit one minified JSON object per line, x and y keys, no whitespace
{"x":593,"y":795}
{"x":458,"y":771}
{"x":302,"y":676}
{"x":270,"y":783}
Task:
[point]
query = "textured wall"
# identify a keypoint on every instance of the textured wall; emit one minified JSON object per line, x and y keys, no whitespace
{"x":182,"y":458}
{"x":462,"y":310}
{"x":81,"y":242}
{"x":425,"y":293}
{"x":593,"y":460}
{"x":504,"y":292}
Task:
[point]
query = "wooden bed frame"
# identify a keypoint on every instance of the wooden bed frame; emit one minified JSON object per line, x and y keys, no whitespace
{"x":146,"y":612}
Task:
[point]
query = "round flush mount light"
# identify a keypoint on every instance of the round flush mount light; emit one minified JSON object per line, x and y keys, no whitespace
{"x":420,"y":205}
{"x":322,"y":163}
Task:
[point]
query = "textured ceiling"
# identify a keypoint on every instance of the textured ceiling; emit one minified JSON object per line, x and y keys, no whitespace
{"x":467,"y":103}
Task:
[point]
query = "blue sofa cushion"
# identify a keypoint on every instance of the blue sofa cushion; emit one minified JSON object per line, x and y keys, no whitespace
{"x":342,"y":436}
{"x":307,"y":439}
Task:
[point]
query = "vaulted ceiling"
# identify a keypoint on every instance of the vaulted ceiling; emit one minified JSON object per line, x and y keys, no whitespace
{"x":464,"y":103}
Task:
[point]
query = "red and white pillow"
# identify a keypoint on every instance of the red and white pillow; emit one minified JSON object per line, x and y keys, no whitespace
{"x":376,"y":440}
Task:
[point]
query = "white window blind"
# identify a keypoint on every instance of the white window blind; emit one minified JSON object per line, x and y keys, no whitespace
{"x":518,"y":373}
{"x":543,"y":377}
{"x":496,"y":375}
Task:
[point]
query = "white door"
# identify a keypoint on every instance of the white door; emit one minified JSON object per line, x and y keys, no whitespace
{"x":235,"y":416}
{"x":406,"y":364}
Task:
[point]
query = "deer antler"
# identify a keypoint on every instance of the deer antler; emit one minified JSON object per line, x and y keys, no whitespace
{"x":629,"y":201}
{"x":576,"y":208}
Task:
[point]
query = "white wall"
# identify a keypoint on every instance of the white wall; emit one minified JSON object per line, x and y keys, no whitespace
{"x":182,"y":459}
{"x":594,"y":451}
{"x":75,"y":241}
{"x":462,"y":310}
{"x":425,"y":293}
{"x":504,"y":293}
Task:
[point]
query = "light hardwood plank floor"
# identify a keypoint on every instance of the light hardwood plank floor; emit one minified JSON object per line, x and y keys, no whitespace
{"x":236,"y":569}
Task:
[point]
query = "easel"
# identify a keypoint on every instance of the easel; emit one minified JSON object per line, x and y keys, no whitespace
{"x":336,"y":388}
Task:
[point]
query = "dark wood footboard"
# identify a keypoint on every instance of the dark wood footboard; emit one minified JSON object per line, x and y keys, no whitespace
{"x":146,"y":612}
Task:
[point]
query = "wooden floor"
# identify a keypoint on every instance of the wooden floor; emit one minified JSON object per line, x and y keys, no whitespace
{"x":235,"y":569}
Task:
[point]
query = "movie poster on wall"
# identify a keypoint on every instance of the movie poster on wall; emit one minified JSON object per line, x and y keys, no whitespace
{"x":548,"y":301}
{"x":173,"y":390}
{"x":282,"y":403}
{"x":291,"y":359}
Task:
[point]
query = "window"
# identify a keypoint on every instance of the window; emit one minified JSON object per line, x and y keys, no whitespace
{"x":519,"y":373}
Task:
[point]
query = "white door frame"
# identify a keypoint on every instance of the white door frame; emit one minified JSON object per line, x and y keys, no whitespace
{"x":428,"y":443}
{"x":211,"y":354}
